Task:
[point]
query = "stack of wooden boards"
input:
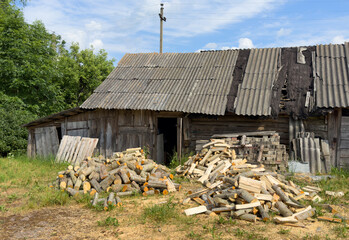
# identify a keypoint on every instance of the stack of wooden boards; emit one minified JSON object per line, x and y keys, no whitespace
{"x":315,"y":151}
{"x":252,"y":196}
{"x":74,"y":149}
{"x":256,"y":147}
{"x":124,"y":174}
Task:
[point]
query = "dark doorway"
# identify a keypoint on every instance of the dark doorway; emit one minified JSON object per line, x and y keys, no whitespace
{"x":167,"y":139}
{"x":59,"y":133}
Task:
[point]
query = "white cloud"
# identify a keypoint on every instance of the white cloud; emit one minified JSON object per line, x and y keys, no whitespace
{"x":97,"y":44}
{"x":93,"y":26}
{"x":245,"y":43}
{"x":211,"y":46}
{"x":283,"y":32}
{"x":133,"y":25}
{"x":339,"y":39}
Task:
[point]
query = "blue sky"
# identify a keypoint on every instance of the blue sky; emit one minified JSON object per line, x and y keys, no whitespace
{"x":131,"y":26}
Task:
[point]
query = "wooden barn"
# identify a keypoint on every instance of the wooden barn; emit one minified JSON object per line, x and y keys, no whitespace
{"x":166,"y":102}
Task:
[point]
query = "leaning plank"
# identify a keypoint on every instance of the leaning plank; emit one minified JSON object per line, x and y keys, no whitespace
{"x":195,"y":210}
{"x":60,"y":149}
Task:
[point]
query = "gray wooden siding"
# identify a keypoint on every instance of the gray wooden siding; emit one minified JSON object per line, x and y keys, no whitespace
{"x":344,"y":143}
{"x":46,"y":141}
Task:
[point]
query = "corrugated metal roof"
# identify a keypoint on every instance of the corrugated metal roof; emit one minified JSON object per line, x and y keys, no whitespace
{"x":254,"y":93}
{"x":331,"y":81}
{"x":183,"y":82}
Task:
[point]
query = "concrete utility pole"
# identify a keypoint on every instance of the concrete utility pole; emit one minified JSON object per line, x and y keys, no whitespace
{"x":162,"y":18}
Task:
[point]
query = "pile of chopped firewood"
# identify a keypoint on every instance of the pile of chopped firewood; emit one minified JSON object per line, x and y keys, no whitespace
{"x":241,"y":190}
{"x":125,"y":174}
{"x":215,"y":158}
{"x":257,"y":147}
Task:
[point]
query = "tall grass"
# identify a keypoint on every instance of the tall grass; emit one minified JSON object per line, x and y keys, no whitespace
{"x":28,"y":179}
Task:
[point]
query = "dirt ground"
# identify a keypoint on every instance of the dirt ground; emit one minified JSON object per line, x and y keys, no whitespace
{"x":77,"y":221}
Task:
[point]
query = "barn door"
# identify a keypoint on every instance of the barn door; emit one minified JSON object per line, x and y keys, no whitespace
{"x":344,"y":143}
{"x":46,"y":141}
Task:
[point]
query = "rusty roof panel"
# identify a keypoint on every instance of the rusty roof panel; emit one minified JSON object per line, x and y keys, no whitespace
{"x":184,"y":82}
{"x":254,"y":93}
{"x":331,"y":81}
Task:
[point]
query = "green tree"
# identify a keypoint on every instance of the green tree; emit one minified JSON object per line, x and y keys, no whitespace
{"x":81,"y":71}
{"x":39,"y":75}
{"x":28,"y":60}
{"x":13,"y":113}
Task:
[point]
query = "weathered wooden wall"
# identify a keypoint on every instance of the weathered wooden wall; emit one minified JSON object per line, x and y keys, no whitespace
{"x":121,"y":129}
{"x":115,"y":129}
{"x":203,"y":128}
{"x":344,"y":143}
{"x":43,"y":141}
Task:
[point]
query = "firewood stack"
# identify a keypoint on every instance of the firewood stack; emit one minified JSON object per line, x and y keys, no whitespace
{"x":256,"y":147}
{"x":251,"y":196}
{"x":240,"y":190}
{"x":125,"y":174}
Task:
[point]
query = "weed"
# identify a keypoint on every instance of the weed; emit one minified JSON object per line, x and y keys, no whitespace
{"x":160,"y":213}
{"x":175,"y":161}
{"x":239,"y":232}
{"x":311,"y":237}
{"x":3,"y":208}
{"x":11,"y":198}
{"x":284,"y":231}
{"x":109,"y":221}
{"x":341,"y":231}
{"x":194,"y":236}
{"x":221,"y":221}
{"x":213,"y":231}
{"x":246,"y":235}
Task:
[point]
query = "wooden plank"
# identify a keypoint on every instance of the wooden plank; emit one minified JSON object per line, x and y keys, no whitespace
{"x":81,"y":153}
{"x":344,"y":144}
{"x":318,"y":155}
{"x":67,"y":148}
{"x":74,"y":153}
{"x":75,"y":144}
{"x":195,"y":210}
{"x":246,"y":206}
{"x":344,"y":153}
{"x":55,"y":141}
{"x":61,"y":147}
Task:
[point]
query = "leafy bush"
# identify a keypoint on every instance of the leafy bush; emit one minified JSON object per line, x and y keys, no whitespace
{"x":13,"y":113}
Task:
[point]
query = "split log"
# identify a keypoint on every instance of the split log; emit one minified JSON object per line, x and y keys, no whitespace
{"x":96,"y":185}
{"x":329,"y":219}
{"x":124,"y":177}
{"x":72,"y":192}
{"x":281,"y":194}
{"x":195,"y":210}
{"x":248,"y":217}
{"x":285,"y":219}
{"x":107,"y":182}
{"x":284,"y":211}
{"x":95,"y":199}
{"x":249,"y":205}
{"x":110,"y":198}
{"x":264,"y":214}
{"x":247,"y":196}
{"x":306,"y":213}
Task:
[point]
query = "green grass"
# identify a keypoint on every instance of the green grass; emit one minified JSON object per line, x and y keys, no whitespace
{"x":242,"y":234}
{"x":160,"y":213}
{"x":28,"y":179}
{"x":109,"y":221}
{"x":284,"y":231}
{"x":341,"y":231}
